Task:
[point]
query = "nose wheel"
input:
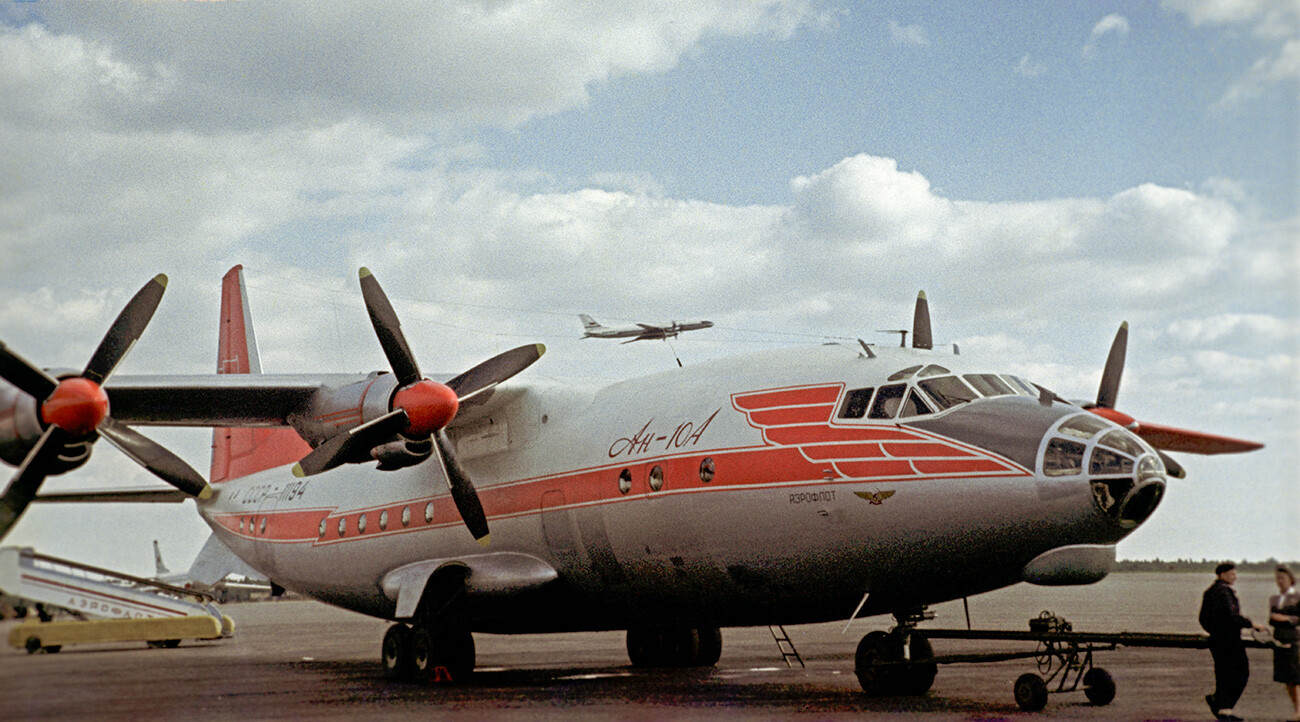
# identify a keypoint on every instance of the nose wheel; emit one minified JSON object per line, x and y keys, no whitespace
{"x":895,"y":663}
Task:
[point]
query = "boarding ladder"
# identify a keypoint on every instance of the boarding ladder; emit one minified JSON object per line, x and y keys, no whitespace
{"x":783,"y":643}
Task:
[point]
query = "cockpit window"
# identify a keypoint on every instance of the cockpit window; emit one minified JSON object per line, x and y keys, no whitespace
{"x":856,"y":403}
{"x":1063,"y":458}
{"x":948,"y":391}
{"x":989,"y":385}
{"x":1083,"y":426}
{"x":1105,"y":461}
{"x":906,"y":373}
{"x":888,"y":401}
{"x":933,"y":370}
{"x":915,"y":405}
{"x":1022,"y":387}
{"x":1121,"y":441}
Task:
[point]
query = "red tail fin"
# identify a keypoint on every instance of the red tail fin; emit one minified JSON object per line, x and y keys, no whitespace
{"x":240,"y":452}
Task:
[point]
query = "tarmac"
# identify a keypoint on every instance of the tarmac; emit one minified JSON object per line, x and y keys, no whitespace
{"x":305,"y":660}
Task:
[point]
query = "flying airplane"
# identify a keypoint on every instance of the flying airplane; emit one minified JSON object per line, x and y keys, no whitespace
{"x":781,"y":487}
{"x":640,"y":331}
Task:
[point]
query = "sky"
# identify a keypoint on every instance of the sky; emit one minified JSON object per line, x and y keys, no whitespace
{"x":794,"y":171}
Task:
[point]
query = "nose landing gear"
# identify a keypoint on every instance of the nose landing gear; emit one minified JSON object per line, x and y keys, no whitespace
{"x":897,"y":662}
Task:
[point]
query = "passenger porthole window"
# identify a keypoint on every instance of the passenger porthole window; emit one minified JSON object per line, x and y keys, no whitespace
{"x":625,"y":481}
{"x":241,"y":525}
{"x":707,"y":470}
{"x":343,"y":526}
{"x":428,"y":513}
{"x":406,"y":516}
{"x":656,"y":478}
{"x":262,"y":527}
{"x":322,"y":528}
{"x":383,"y":520}
{"x":361,"y":524}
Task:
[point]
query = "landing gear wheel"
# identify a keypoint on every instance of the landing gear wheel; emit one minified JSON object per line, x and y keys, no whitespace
{"x":1031,"y":692}
{"x":399,"y":663}
{"x":918,"y":675}
{"x":710,"y":647}
{"x":442,"y":656}
{"x":674,"y":646}
{"x":1098,"y":686}
{"x":882,"y":670}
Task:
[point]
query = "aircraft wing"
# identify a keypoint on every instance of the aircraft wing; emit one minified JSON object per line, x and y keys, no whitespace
{"x":652,"y":327}
{"x":216,"y":399}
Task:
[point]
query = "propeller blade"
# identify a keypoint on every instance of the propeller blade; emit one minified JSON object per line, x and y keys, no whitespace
{"x":463,"y":492}
{"x":389,"y":330}
{"x":496,"y":369}
{"x":1168,"y":438}
{"x":158,"y":460}
{"x":353,"y":445}
{"x":27,"y":481}
{"x":1114,"y":371}
{"x":126,"y":330}
{"x":27,"y":377}
{"x":921,"y":337}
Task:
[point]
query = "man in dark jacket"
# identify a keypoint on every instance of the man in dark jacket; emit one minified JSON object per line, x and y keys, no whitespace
{"x":1221,"y":617}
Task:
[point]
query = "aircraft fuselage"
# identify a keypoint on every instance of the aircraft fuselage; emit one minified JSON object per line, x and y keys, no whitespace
{"x":752,"y":490}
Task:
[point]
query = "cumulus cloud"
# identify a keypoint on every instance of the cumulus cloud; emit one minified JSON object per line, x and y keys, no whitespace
{"x":497,"y":63}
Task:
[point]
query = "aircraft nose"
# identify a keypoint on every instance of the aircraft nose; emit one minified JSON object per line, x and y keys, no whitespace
{"x":1126,"y":475}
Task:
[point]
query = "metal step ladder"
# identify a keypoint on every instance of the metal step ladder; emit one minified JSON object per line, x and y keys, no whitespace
{"x":783,"y":643}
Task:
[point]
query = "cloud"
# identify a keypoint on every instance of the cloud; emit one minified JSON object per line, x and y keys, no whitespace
{"x":497,"y":63}
{"x":1271,"y":22}
{"x":1111,"y":25}
{"x":1030,"y":67}
{"x":907,"y":34}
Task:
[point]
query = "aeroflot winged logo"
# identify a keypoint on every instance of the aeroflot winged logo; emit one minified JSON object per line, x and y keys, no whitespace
{"x":876,"y":498}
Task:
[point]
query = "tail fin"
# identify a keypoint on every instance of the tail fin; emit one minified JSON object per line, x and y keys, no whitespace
{"x":589,"y":323}
{"x":159,"y":568}
{"x":240,"y":452}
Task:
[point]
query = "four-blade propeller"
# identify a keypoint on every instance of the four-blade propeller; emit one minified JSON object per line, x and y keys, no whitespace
{"x":74,"y":412}
{"x":419,"y":410}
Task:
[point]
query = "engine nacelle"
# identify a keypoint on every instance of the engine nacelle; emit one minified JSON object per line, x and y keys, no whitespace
{"x":21,"y":428}
{"x":333,"y":411}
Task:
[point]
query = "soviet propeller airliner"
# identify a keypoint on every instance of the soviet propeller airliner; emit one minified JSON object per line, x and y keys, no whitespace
{"x":641,"y":331}
{"x":790,"y":486}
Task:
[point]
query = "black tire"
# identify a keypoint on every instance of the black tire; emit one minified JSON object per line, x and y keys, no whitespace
{"x":32,"y":645}
{"x":873,"y":664}
{"x":645,"y":647}
{"x":53,"y":648}
{"x":681,"y":646}
{"x":395,"y":654}
{"x":918,"y":675}
{"x":442,"y":656}
{"x":710,"y":647}
{"x":1099,"y":686}
{"x":1031,"y":692}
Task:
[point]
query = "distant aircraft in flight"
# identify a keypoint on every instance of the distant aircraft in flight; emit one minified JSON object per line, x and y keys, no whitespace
{"x":640,"y":331}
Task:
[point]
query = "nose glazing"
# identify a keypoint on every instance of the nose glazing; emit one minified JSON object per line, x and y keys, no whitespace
{"x":1126,"y":475}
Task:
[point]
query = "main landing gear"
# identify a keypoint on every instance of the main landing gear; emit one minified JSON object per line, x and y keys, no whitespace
{"x":437,"y":647}
{"x":428,"y":653}
{"x":674,"y":646}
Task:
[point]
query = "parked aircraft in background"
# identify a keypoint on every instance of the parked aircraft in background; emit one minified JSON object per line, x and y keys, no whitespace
{"x":215,"y":570}
{"x":799,"y":485}
{"x":640,"y":331}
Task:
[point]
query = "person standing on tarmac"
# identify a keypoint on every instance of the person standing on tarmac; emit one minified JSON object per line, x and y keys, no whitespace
{"x":1284,"y":616}
{"x":1221,"y":617}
